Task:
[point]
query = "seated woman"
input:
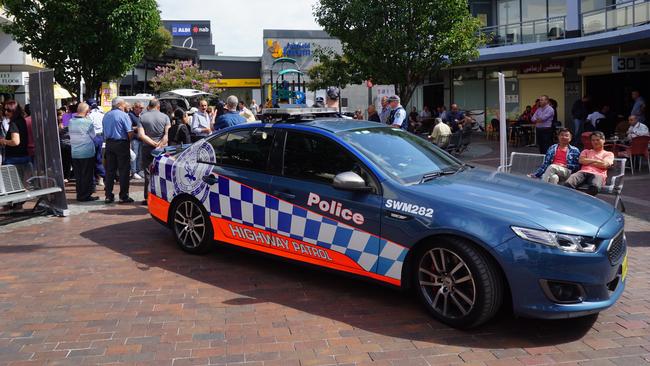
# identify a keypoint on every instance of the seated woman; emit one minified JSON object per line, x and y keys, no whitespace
{"x":560,"y":162}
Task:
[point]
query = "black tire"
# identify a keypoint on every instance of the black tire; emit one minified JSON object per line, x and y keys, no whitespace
{"x":463,"y":288}
{"x":191,"y":226}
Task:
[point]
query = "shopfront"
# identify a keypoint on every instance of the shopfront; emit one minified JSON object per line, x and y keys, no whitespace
{"x":240,"y":76}
{"x":610,"y":78}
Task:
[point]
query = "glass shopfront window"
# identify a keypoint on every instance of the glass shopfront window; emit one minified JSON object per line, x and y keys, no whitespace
{"x":492,"y":95}
{"x":469,"y":90}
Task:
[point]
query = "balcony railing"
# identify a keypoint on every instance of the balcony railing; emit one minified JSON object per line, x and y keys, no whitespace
{"x":526,"y":32}
{"x":617,"y":16}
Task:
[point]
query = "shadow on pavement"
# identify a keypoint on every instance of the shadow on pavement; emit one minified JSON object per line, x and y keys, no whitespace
{"x":370,"y":308}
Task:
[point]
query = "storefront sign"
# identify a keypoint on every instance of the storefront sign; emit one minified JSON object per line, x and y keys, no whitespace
{"x":542,"y":67}
{"x":187,"y":29}
{"x":291,"y":49}
{"x":12,"y":78}
{"x":236,"y":83}
{"x":630,"y":64}
{"x":109,"y":91}
{"x":181,"y":29}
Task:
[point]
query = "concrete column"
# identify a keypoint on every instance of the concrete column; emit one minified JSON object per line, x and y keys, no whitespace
{"x":573,"y":19}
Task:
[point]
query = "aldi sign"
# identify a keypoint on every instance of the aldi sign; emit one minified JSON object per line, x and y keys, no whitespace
{"x":181,"y":29}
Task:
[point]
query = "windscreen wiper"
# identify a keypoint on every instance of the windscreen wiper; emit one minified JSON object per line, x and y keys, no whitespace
{"x":433,"y":175}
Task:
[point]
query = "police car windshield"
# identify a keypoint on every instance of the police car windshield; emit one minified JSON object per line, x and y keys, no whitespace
{"x":402,"y":155}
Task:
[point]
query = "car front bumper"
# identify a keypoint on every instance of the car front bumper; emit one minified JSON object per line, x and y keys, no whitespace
{"x":528,"y":266}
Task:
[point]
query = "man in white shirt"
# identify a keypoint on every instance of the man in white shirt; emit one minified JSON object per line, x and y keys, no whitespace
{"x":596,"y":115}
{"x":441,"y":132}
{"x":97,"y":116}
{"x":201,"y":120}
{"x":636,"y":128}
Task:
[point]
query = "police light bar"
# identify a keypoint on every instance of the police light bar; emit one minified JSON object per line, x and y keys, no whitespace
{"x":295,"y":111}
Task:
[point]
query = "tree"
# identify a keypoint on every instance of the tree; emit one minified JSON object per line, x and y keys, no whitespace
{"x":401,"y":42}
{"x":158,"y":44}
{"x":331,"y":69}
{"x":185,"y":75}
{"x":96,"y":40}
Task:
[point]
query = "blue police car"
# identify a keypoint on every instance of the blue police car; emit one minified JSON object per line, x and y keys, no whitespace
{"x":379,"y":202}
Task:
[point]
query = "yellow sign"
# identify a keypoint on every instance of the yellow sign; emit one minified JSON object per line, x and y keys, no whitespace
{"x":274,"y":48}
{"x":236,"y":83}
{"x":109,"y":91}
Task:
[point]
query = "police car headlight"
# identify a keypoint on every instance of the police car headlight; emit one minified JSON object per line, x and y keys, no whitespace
{"x":566,"y":242}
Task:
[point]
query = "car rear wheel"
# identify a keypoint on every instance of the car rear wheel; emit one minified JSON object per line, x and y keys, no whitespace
{"x":459,"y":284}
{"x":192,"y":227}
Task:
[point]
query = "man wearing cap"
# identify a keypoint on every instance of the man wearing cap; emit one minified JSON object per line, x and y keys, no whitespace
{"x":332,"y":100}
{"x":397,"y":116}
{"x":97,"y":116}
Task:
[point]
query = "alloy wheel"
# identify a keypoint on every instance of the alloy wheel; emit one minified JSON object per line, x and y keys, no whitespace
{"x":447,"y":283}
{"x":189,"y":224}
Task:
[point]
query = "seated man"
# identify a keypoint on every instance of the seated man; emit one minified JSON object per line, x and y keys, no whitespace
{"x":636,"y":128}
{"x":440,"y":133}
{"x":560,"y":161}
{"x":595,"y":163}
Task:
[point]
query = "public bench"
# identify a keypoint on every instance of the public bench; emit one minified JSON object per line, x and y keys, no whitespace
{"x":525,"y":163}
{"x":12,"y":189}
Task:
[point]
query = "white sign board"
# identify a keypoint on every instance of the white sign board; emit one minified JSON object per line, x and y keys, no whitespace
{"x":12,"y":78}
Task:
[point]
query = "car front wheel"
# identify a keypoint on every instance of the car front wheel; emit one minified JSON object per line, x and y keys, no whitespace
{"x":459,"y":284}
{"x":192,"y":227}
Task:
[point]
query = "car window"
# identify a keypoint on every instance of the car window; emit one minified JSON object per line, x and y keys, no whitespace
{"x":319,"y":159}
{"x":248,"y":149}
{"x":403,"y":155}
{"x":218,"y":144}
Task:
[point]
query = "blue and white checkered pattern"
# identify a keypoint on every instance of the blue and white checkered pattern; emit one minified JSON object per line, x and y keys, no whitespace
{"x":161,"y":183}
{"x":236,"y":202}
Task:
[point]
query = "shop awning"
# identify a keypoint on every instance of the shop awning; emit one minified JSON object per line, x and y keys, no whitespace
{"x":60,"y":93}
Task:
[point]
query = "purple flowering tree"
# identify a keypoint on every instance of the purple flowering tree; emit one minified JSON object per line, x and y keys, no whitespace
{"x":185,"y":75}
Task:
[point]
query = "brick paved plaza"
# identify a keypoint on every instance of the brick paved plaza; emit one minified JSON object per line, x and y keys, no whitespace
{"x":109,"y":285}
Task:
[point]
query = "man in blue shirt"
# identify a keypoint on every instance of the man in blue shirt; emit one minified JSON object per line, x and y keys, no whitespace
{"x":118,"y":131}
{"x":231,"y":117}
{"x":455,"y":118}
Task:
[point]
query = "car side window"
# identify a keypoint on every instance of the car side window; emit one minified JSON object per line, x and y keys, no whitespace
{"x":319,"y":159}
{"x":248,"y":149}
{"x":218,"y":144}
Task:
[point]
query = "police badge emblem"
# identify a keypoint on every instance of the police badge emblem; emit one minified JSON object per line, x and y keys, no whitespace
{"x":189,"y":170}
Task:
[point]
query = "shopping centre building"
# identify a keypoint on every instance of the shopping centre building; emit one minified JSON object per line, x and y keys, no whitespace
{"x":562,"y":48}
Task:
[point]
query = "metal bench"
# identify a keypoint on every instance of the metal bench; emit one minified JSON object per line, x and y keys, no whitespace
{"x":524,"y":163}
{"x":13,"y":191}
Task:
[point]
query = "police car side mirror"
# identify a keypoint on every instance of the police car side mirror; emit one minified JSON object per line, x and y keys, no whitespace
{"x":350,"y":181}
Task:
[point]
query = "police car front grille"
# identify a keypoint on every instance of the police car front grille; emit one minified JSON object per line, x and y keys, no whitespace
{"x":616,"y":249}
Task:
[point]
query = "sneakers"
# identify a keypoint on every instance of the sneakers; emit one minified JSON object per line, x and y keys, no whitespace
{"x":108,"y":200}
{"x":127,"y":200}
{"x":100,"y":182}
{"x":137,"y":176}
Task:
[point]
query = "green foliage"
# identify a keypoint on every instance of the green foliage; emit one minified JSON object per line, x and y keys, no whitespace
{"x":401,"y":42}
{"x":332,"y":69}
{"x":185,"y":75}
{"x":157,"y":45}
{"x":96,"y":40}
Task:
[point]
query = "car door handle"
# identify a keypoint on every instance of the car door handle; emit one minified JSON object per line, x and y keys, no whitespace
{"x":284,"y":195}
{"x":210,"y":179}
